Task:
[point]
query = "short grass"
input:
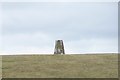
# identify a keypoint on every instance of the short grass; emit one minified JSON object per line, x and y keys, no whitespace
{"x":60,"y":66}
{"x":0,"y":66}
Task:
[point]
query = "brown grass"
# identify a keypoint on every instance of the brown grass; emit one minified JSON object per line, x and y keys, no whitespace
{"x":0,"y":67}
{"x":60,"y":66}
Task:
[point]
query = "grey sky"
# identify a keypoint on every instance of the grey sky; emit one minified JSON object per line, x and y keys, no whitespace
{"x":84,"y":27}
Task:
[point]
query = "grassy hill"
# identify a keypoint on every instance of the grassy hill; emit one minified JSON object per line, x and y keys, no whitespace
{"x":0,"y":67}
{"x":60,"y":66}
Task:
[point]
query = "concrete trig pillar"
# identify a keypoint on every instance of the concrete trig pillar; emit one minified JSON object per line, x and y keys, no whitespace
{"x":59,"y":47}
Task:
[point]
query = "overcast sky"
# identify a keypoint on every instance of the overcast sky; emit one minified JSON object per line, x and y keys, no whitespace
{"x":84,"y":27}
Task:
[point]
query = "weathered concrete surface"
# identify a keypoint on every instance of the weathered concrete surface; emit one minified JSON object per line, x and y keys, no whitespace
{"x":59,"y":47}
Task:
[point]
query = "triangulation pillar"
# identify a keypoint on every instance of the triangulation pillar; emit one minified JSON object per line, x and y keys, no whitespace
{"x":59,"y":47}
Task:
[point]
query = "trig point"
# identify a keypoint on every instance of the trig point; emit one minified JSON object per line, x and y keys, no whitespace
{"x":59,"y":47}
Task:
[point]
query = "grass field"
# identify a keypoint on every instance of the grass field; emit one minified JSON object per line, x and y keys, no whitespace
{"x":0,"y":67}
{"x":60,"y":66}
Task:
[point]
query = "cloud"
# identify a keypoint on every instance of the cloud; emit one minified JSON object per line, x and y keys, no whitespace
{"x":38,"y":43}
{"x":87,"y":26}
{"x":59,"y":0}
{"x":0,"y":26}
